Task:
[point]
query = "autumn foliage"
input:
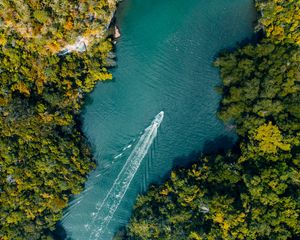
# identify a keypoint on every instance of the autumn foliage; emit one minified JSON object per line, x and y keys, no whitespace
{"x":44,"y":158}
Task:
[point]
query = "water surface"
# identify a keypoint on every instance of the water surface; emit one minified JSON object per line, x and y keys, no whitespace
{"x":165,"y":60}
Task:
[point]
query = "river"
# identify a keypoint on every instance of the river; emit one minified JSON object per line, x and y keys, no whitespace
{"x":164,"y":62}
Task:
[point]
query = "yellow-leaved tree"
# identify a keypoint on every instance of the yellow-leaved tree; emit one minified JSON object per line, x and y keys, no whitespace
{"x":269,"y":139}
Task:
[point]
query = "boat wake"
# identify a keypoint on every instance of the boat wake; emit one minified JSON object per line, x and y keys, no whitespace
{"x":106,"y":208}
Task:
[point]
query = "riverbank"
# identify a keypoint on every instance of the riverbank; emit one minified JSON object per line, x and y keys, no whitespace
{"x":48,"y":64}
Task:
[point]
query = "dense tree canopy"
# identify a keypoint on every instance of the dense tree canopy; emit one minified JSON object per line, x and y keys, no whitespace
{"x":261,"y":83}
{"x":281,"y":20}
{"x":252,"y":191}
{"x":51,"y":25}
{"x":44,"y":157}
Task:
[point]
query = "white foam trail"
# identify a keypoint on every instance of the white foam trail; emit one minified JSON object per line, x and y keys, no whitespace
{"x":125,"y":148}
{"x":107,"y":208}
{"x":118,"y":156}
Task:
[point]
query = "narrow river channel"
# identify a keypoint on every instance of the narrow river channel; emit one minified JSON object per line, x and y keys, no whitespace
{"x":164,"y":59}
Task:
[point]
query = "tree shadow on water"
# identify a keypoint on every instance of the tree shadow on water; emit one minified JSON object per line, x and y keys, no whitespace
{"x":60,"y":233}
{"x":219,"y":145}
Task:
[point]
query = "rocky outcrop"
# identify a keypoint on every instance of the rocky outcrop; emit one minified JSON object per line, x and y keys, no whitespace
{"x":117,"y":33}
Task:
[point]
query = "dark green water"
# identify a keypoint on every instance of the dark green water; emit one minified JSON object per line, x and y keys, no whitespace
{"x":165,"y":60}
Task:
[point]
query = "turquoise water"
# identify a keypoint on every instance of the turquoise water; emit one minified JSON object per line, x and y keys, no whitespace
{"x":165,"y":60}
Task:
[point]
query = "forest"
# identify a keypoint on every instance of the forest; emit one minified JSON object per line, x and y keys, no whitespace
{"x":52,"y":53}
{"x":251,"y":191}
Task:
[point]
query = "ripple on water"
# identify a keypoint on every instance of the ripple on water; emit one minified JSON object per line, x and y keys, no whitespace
{"x":165,"y":60}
